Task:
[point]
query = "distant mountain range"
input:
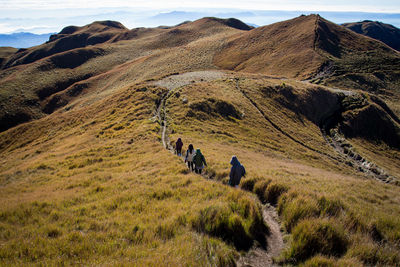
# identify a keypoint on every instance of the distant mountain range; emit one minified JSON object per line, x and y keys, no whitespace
{"x":23,"y":39}
{"x":40,"y":23}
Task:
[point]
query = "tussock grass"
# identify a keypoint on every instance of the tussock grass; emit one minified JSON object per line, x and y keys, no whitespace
{"x":98,"y":193}
{"x":309,"y":189}
{"x":319,"y":261}
{"x":241,"y":223}
{"x":91,"y":185}
{"x":317,"y":236}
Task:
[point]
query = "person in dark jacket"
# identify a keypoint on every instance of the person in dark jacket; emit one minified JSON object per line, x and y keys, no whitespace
{"x":237,"y":171}
{"x":199,"y":161}
{"x":178,"y":147}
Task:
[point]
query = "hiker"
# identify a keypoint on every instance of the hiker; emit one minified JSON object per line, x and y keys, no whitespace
{"x":178,"y":146}
{"x":237,"y":171}
{"x":189,"y":157}
{"x":198,"y":160}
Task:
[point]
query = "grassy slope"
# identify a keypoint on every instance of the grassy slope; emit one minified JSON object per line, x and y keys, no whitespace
{"x":93,"y":184}
{"x":146,"y":56}
{"x":277,"y":49}
{"x":96,"y":187}
{"x":302,"y":47}
{"x":90,"y":183}
{"x":359,"y":208}
{"x":359,"y":62}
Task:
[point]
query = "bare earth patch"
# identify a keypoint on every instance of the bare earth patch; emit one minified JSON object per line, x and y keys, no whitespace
{"x":178,"y":80}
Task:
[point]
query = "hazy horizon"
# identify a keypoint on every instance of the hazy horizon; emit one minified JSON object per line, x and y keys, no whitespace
{"x":39,"y":21}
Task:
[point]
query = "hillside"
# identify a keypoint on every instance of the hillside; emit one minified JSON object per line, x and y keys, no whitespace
{"x":85,"y":119}
{"x":310,"y":47}
{"x":385,"y":33}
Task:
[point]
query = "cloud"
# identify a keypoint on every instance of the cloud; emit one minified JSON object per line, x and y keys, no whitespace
{"x":317,"y":5}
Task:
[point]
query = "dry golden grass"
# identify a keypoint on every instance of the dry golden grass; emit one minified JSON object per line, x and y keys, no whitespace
{"x":91,"y":184}
{"x":284,"y":49}
{"x":45,"y":86}
{"x":96,"y":187}
{"x":360,"y":210}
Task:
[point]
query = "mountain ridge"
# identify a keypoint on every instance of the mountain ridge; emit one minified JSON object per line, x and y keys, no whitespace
{"x":272,"y":49}
{"x":386,"y":33}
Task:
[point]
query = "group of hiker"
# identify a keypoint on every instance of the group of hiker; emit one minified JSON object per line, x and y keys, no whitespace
{"x":194,"y":158}
{"x":196,"y":162}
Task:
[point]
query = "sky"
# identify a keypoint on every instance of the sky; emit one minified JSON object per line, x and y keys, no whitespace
{"x":318,"y":5}
{"x":47,"y":16}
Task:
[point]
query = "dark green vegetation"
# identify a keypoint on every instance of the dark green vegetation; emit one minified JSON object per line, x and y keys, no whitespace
{"x":84,"y":178}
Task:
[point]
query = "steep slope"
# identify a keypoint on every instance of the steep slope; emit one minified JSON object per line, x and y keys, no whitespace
{"x":383,"y":32}
{"x":277,"y":139}
{"x":283,"y":49}
{"x":310,"y":47}
{"x":124,"y":211}
{"x":354,"y":61}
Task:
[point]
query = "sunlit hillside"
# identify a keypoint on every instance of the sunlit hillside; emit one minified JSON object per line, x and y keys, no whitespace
{"x":89,"y":121}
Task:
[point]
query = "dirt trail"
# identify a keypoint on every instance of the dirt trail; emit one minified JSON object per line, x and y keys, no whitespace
{"x":257,"y":255}
{"x":173,"y":82}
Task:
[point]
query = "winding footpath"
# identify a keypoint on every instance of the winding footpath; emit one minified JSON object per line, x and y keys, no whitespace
{"x":257,"y":256}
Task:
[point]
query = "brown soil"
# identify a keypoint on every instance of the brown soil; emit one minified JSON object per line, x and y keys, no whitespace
{"x":258,"y":256}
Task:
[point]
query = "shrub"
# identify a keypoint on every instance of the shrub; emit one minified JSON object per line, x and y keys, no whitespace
{"x":214,"y":107}
{"x":315,"y":236}
{"x":273,"y":192}
{"x":221,"y":222}
{"x":219,"y":254}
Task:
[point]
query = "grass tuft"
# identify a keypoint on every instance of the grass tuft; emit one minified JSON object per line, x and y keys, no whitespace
{"x":239,"y":224}
{"x":273,"y":192}
{"x":248,"y":184}
{"x":330,"y":207}
{"x":293,"y":209}
{"x":320,"y":261}
{"x":315,"y":236}
{"x":260,"y":187}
